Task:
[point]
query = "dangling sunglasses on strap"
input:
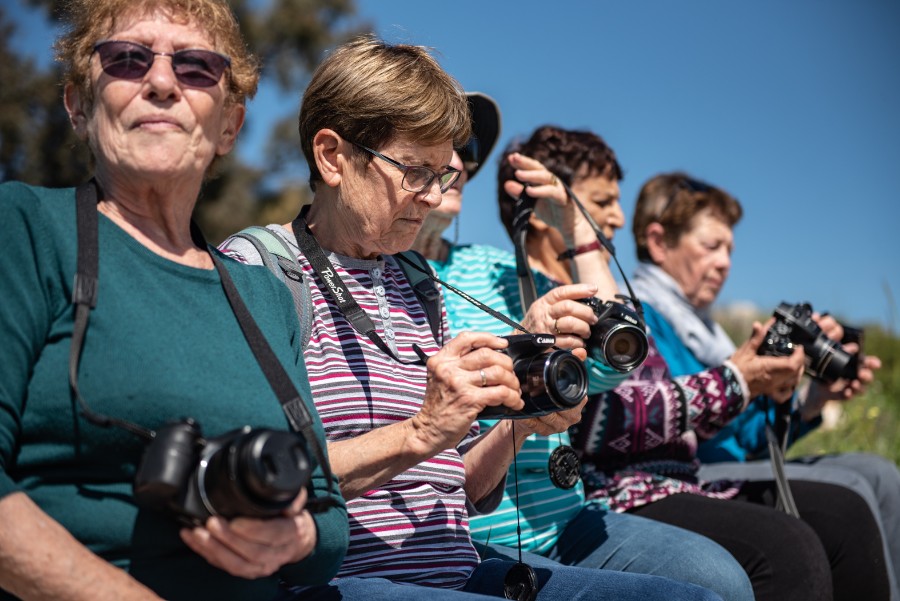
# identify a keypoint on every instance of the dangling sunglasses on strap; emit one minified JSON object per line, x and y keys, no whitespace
{"x":193,"y":67}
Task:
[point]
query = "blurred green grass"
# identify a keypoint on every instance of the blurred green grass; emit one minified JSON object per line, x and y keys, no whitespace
{"x":870,"y":422}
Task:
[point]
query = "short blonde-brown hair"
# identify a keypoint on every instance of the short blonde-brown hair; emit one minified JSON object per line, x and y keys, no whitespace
{"x":371,"y":92}
{"x":674,"y":200}
{"x":90,"y":21}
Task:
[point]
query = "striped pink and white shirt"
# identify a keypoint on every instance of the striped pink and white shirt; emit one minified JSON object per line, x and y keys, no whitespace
{"x":415,"y":527}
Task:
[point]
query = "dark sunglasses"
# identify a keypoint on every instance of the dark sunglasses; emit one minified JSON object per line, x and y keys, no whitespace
{"x":193,"y":67}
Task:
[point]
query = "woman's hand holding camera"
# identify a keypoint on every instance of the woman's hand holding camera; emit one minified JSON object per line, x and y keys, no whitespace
{"x":775,"y":377}
{"x":464,"y":377}
{"x":553,"y":206}
{"x":841,"y":389}
{"x":559,"y":313}
{"x":553,"y":423}
{"x":255,"y":548}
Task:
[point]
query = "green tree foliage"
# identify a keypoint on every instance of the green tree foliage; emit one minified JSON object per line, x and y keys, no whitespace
{"x":37,"y":144}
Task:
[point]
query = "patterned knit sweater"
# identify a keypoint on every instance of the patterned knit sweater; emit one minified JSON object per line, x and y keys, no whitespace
{"x":638,"y":442}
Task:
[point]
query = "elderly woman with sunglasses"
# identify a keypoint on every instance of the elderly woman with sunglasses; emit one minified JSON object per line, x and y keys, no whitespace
{"x":157,"y":89}
{"x":378,"y":124}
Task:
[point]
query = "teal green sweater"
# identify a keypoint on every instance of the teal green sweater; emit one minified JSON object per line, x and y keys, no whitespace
{"x":163,"y":344}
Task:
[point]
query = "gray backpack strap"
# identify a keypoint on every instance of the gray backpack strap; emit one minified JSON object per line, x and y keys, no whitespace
{"x":426,"y":291}
{"x":278,"y":257}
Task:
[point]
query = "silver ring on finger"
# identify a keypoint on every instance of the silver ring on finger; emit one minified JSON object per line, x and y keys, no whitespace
{"x":483,"y":378}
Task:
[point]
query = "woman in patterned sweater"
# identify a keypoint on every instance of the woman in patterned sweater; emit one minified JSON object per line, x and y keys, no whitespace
{"x":639,"y":440}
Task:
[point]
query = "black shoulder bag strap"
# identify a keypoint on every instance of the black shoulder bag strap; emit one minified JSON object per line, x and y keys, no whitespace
{"x":339,"y":292}
{"x":84,"y":296}
{"x":427,"y":293}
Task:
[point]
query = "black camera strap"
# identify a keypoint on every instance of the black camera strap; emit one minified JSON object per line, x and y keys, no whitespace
{"x":524,"y":209}
{"x":776,"y":439}
{"x":339,"y":292}
{"x":465,"y":295}
{"x":84,"y":297}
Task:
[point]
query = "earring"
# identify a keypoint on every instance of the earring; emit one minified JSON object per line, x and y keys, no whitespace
{"x":456,"y":231}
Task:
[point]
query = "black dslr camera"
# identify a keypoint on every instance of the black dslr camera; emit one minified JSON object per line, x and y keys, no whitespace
{"x":246,"y":472}
{"x":825,"y":359}
{"x":551,"y":381}
{"x":618,"y":338}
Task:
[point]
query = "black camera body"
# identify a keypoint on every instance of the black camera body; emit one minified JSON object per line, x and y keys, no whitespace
{"x":618,"y":339}
{"x":550,"y":381}
{"x":825,"y":359}
{"x":248,"y":472}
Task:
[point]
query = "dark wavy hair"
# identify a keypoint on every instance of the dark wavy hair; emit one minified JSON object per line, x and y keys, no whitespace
{"x":570,"y":154}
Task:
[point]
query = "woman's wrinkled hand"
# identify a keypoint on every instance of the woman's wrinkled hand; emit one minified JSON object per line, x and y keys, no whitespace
{"x":841,"y":389}
{"x":255,"y":548}
{"x":559,"y":313}
{"x":464,"y":377}
{"x":775,"y":377}
{"x":554,"y":423}
{"x":553,"y":205}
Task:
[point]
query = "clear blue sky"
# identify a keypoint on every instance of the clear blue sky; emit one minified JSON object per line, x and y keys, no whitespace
{"x":794,"y":107}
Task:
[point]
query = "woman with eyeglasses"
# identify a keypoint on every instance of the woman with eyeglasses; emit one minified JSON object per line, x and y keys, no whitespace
{"x":157,"y":90}
{"x":378,"y":125}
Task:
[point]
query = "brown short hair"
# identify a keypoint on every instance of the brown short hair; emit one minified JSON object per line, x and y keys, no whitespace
{"x":93,"y":20}
{"x":371,"y":92}
{"x":674,"y":200}
{"x":568,"y":153}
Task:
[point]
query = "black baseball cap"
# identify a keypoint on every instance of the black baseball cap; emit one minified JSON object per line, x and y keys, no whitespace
{"x":485,"y":132}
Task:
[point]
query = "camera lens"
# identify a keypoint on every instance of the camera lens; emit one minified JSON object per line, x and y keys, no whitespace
{"x":618,"y":338}
{"x":626,"y":347}
{"x":623,"y":347}
{"x":829,"y":361}
{"x":273,"y":465}
{"x":551,"y":382}
{"x":566,"y":379}
{"x":257,"y":474}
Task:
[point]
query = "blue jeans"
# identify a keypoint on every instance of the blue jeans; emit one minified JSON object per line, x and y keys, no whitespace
{"x":601,"y":539}
{"x":557,"y":583}
{"x":874,"y":478}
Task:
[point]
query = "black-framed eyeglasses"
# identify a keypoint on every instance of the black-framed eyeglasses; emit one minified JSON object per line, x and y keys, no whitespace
{"x":194,"y":67}
{"x":417,"y":178}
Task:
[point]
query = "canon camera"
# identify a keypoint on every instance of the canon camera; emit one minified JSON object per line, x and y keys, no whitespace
{"x":550,"y":381}
{"x":617,"y":339}
{"x":246,"y":472}
{"x":825,"y":359}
